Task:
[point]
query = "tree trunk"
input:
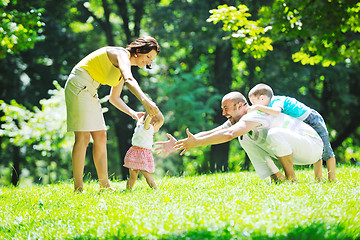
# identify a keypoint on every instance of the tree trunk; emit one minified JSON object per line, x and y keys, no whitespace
{"x":219,"y":154}
{"x":125,"y":128}
{"x":123,"y":125}
{"x":1,"y":137}
{"x":251,"y":65}
{"x":15,"y":176}
{"x":123,"y":133}
{"x":246,"y":165}
{"x":350,"y":129}
{"x":107,"y":25}
{"x":354,"y":115}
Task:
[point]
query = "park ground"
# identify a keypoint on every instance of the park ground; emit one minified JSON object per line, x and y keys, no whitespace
{"x":214,"y":206}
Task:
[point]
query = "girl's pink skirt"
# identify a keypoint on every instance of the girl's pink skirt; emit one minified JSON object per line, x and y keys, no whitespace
{"x":139,"y":158}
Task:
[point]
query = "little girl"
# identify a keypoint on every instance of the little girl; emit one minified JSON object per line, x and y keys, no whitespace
{"x":139,"y":156}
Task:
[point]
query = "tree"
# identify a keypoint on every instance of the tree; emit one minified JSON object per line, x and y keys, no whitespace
{"x":191,"y":44}
{"x":20,"y":27}
{"x":27,"y":76}
{"x":19,"y":31}
{"x":40,"y":133}
{"x":327,"y":32}
{"x":314,"y":32}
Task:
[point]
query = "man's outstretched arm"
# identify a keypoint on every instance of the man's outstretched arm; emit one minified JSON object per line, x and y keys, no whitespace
{"x":167,"y":147}
{"x":217,"y":137}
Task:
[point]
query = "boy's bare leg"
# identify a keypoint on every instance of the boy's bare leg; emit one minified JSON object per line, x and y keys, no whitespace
{"x":331,"y":165}
{"x":318,"y":170}
{"x":149,"y":179}
{"x":78,"y":159}
{"x":286,"y":162}
{"x":100,"y":157}
{"x":132,"y":178}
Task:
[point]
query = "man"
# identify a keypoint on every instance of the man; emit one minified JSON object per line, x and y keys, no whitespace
{"x":261,"y":135}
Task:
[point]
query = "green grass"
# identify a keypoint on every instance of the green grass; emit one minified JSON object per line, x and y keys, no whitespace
{"x":218,"y":206}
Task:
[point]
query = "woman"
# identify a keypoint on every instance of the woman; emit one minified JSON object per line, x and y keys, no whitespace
{"x":105,"y":66}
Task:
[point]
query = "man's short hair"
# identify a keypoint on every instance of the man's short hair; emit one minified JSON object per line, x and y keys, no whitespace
{"x":261,"y":89}
{"x":235,"y":96}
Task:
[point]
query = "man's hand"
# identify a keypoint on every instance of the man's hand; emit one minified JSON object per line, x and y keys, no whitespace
{"x":166,"y":147}
{"x":187,"y":143}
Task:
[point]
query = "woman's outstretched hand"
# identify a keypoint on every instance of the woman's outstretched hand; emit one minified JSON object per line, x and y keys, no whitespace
{"x":166,"y":147}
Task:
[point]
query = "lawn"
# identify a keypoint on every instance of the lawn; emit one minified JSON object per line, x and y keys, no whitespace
{"x":217,"y":206}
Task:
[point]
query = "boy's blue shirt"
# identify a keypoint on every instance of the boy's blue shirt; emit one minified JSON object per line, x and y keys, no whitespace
{"x":289,"y":106}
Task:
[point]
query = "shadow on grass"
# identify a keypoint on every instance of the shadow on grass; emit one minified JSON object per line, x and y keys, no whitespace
{"x":316,"y":231}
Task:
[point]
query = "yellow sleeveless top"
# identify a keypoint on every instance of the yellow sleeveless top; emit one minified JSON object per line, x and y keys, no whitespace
{"x":100,"y":68}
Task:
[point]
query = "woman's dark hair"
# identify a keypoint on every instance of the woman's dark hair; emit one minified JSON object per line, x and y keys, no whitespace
{"x":143,"y":45}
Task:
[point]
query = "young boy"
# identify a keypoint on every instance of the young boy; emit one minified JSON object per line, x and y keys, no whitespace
{"x":262,"y":98}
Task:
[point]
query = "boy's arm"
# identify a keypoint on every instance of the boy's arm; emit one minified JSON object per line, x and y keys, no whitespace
{"x":274,"y":111}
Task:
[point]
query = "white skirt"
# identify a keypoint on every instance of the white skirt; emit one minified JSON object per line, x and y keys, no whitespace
{"x":83,"y":107}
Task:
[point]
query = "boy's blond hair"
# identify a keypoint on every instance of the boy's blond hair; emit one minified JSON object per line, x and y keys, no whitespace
{"x":261,"y":89}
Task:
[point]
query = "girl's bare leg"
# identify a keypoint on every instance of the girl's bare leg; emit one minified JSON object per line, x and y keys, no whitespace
{"x":78,"y":158}
{"x":132,"y":178}
{"x":149,"y":179}
{"x":100,"y":157}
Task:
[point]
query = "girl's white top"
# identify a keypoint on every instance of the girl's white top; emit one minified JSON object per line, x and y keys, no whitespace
{"x":142,"y":137}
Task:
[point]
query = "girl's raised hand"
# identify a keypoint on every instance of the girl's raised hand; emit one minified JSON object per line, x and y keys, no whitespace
{"x":138,"y":115}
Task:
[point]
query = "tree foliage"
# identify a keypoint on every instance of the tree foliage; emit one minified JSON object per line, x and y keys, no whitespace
{"x":327,"y":31}
{"x":195,"y":57}
{"x":20,"y":28}
{"x":246,"y":34}
{"x":40,"y":133}
{"x":318,"y":34}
